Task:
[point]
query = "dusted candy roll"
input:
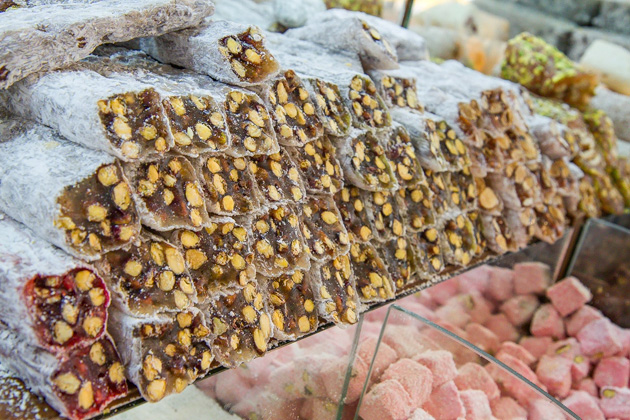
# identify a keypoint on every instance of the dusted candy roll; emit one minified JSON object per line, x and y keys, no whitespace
{"x":351,"y":202}
{"x":400,"y":257}
{"x":292,"y":305}
{"x":76,"y":198}
{"x":374,"y":283}
{"x":218,"y":256}
{"x":51,"y":299}
{"x":318,"y":166}
{"x":323,"y":228}
{"x":78,"y":384}
{"x":418,"y":201}
{"x":386,"y":214}
{"x":168,"y":193}
{"x":123,"y":117}
{"x":401,"y":152}
{"x":429,"y":245}
{"x":364,"y":161}
{"x":546,"y":71}
{"x":164,"y":354}
{"x":292,"y":109}
{"x":241,"y":324}
{"x":228,"y":184}
{"x":349,"y":33}
{"x":78,"y":28}
{"x":229,"y":52}
{"x":335,"y":290}
{"x":148,"y":277}
{"x":277,"y":178}
{"x":277,"y":241}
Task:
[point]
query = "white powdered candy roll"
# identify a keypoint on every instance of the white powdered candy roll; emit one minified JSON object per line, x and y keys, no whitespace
{"x":124,"y":118}
{"x":229,"y":52}
{"x":51,"y":299}
{"x":78,"y":28}
{"x":76,"y":198}
{"x":78,"y":384}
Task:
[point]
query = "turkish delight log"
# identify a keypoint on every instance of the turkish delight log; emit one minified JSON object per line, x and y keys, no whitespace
{"x":386,"y":214}
{"x":229,"y":184}
{"x":400,"y":257}
{"x":277,"y":241}
{"x":163,"y":354}
{"x":373,"y":281}
{"x":277,"y":178}
{"x":429,"y":246}
{"x":364,"y":161}
{"x":122,"y":117}
{"x":168,"y":193}
{"x":401,"y":152}
{"x":148,"y":277}
{"x":229,"y":52}
{"x":292,"y":305}
{"x":78,"y":384}
{"x":241,"y":324}
{"x":323,"y":228}
{"x":352,"y":202}
{"x":78,"y":28}
{"x":335,"y":292}
{"x":292,"y":109}
{"x":76,"y":198}
{"x":350,"y":34}
{"x":397,"y":88}
{"x":546,"y":71}
{"x":51,"y":299}
{"x":318,"y":166}
{"x":418,"y":201}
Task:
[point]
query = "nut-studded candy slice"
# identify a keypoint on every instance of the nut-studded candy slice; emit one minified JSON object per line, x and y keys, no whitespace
{"x":373,"y":281}
{"x":418,"y":201}
{"x":277,"y":241}
{"x":364,"y":162}
{"x":367,"y":107}
{"x":247,"y":55}
{"x":148,"y":277}
{"x":461,"y":240}
{"x":168,"y":193}
{"x":292,"y":305}
{"x":335,"y":291}
{"x":453,"y":148}
{"x":292,"y":110}
{"x":401,"y":152}
{"x":563,"y":174}
{"x":517,"y":186}
{"x":351,"y":203}
{"x":241,"y":323}
{"x":330,"y":107}
{"x":518,"y":146}
{"x":401,"y":260}
{"x":277,"y":178}
{"x":76,"y":198}
{"x":249,"y":123}
{"x":548,"y":187}
{"x":318,"y":165}
{"x":589,"y":205}
{"x":386,"y":214}
{"x":323,"y":228}
{"x":218,"y":256}
{"x":165,"y":354}
{"x":463,"y":184}
{"x":228,"y":185}
{"x":498,"y":234}
{"x":475,"y":218}
{"x":550,"y":220}
{"x":489,"y":201}
{"x":429,"y":246}
{"x":439,"y":183}
{"x":78,"y":384}
{"x":397,"y":88}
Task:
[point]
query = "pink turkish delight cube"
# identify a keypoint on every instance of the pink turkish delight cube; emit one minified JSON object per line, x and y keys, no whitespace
{"x":600,"y":338}
{"x":624,"y":336}
{"x":612,"y":371}
{"x":420,"y":414}
{"x":568,"y":295}
{"x":587,"y":385}
{"x":441,"y":365}
{"x":547,"y":323}
{"x":537,"y":346}
{"x":581,"y":318}
{"x":405,"y":340}
{"x":555,"y":373}
{"x":584,"y":405}
{"x":453,"y":313}
{"x":333,"y":373}
{"x":541,"y":409}
{"x":445,"y":403}
{"x":517,"y":351}
{"x":474,"y":376}
{"x":531,"y":277}
{"x":500,"y":284}
{"x":512,"y":385}
{"x":483,"y":338}
{"x":615,"y":402}
{"x":317,"y":409}
{"x":506,"y":408}
{"x":580,"y":368}
{"x":385,"y":357}
{"x":386,"y":401}
{"x":520,"y":309}
{"x":226,"y":383}
{"x":414,"y":377}
{"x":443,"y":291}
{"x":474,"y":280}
{"x":502,"y":327}
{"x":476,"y":405}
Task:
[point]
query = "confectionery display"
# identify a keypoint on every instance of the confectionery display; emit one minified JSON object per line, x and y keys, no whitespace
{"x":208,"y":189}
